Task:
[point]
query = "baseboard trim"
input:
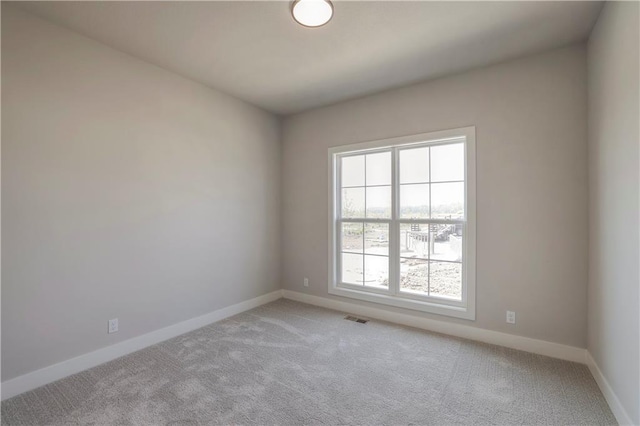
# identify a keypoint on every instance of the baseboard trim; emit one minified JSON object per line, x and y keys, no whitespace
{"x":618,"y":410}
{"x":66,"y":368}
{"x":541,"y":347}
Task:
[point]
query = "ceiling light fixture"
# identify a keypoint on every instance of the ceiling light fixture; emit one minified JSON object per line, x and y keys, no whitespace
{"x":312,"y":13}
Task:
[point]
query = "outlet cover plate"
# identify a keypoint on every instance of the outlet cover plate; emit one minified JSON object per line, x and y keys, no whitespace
{"x":113,"y":325}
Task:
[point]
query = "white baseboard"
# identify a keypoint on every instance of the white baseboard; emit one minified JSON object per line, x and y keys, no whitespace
{"x":541,"y":347}
{"x":618,"y":410}
{"x":66,"y":368}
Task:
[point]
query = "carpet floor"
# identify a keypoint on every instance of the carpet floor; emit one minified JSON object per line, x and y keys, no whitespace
{"x":289,"y":363}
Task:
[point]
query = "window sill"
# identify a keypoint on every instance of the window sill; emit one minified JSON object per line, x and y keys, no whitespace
{"x":400,"y":302}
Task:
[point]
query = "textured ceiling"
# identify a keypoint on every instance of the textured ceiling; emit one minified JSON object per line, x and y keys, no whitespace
{"x":256,"y":52}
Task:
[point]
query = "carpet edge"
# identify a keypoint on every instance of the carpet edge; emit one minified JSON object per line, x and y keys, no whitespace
{"x":49,"y":374}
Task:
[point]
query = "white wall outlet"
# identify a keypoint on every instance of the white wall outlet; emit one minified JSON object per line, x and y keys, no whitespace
{"x":511,"y":317}
{"x":306,"y":282}
{"x":113,"y":325}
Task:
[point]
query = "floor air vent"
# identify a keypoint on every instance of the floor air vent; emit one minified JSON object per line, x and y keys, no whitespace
{"x":356,"y":319}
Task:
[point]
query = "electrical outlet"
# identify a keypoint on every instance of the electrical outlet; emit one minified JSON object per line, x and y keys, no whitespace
{"x":511,"y":317}
{"x":113,"y":325}
{"x":306,"y":282}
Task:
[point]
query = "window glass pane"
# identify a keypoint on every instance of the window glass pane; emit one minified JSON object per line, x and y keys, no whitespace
{"x":445,"y":280}
{"x":414,"y":201}
{"x":414,"y":276}
{"x":376,"y":238}
{"x":352,"y":267}
{"x":352,"y":237}
{"x":379,"y":202}
{"x":379,"y":169}
{"x":447,"y":244}
{"x":353,"y":171}
{"x":414,"y":165}
{"x":376,"y":271}
{"x":430,"y":185}
{"x":447,"y":200}
{"x":353,"y":202}
{"x":414,"y":240}
{"x":447,"y":162}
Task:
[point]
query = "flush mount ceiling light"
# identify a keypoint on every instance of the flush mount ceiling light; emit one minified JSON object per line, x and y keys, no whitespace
{"x":312,"y":13}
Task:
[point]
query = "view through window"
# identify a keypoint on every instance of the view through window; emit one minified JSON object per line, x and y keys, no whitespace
{"x":400,"y":220}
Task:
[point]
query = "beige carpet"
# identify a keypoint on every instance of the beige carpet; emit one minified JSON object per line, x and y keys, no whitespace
{"x":288,"y":363}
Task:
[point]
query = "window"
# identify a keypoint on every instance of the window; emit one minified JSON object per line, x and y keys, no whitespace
{"x":402,"y":222}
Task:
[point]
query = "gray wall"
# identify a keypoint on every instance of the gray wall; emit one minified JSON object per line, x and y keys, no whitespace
{"x":127,"y":192}
{"x":531,"y":123}
{"x":614,"y":124}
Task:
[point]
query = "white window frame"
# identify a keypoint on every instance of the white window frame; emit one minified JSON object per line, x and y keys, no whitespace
{"x":466,"y":308}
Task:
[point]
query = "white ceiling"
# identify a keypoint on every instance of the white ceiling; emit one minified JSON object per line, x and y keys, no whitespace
{"x":256,"y":52}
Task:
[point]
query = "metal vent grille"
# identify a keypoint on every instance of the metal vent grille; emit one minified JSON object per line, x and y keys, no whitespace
{"x":356,"y":319}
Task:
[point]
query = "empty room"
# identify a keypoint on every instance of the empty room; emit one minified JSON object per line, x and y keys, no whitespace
{"x":320,"y":212}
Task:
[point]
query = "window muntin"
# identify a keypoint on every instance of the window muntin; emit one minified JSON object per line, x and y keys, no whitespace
{"x":400,"y":222}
